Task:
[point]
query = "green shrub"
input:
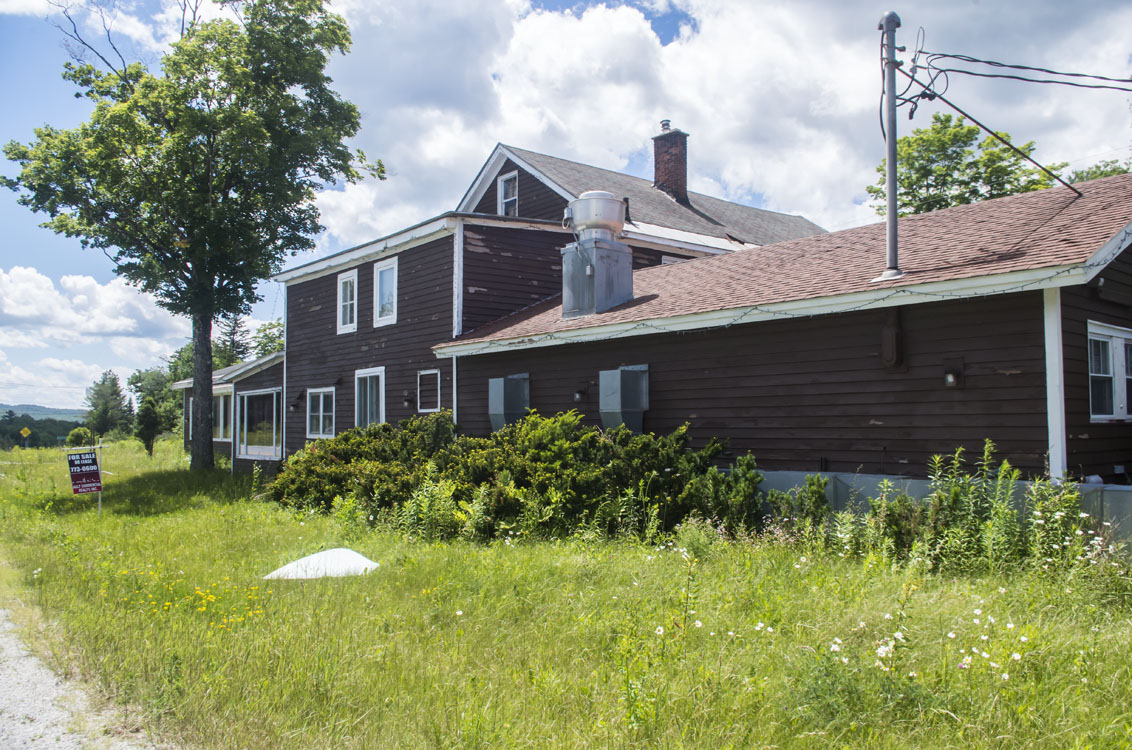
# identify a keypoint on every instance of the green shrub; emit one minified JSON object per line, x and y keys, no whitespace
{"x":379,"y":464}
{"x":79,"y":437}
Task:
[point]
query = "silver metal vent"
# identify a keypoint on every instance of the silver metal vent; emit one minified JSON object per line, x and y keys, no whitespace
{"x":624,"y":396}
{"x":597,"y":271}
{"x":508,"y":399}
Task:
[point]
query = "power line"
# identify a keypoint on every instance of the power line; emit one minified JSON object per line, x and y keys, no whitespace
{"x":929,"y":94}
{"x":933,"y":56}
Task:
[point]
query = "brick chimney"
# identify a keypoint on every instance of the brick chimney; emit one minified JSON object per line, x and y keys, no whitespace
{"x":670,"y":161}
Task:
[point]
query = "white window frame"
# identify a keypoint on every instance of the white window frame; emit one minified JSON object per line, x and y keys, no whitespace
{"x":500,"y":204}
{"x":1117,"y":339}
{"x":321,"y":393}
{"x":225,"y":415}
{"x":352,"y":277}
{"x":259,"y":452}
{"x":427,"y":373}
{"x":369,"y":372}
{"x":384,"y":265}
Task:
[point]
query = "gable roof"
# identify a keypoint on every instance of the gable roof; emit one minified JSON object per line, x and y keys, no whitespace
{"x":1044,"y":239}
{"x":234,"y":373}
{"x":648,"y":206}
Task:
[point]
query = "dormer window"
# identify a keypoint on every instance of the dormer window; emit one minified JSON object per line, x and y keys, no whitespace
{"x":507,"y":192}
{"x":348,"y":301}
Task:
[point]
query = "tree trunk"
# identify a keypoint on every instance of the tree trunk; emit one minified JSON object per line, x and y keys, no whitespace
{"x":201,"y":443}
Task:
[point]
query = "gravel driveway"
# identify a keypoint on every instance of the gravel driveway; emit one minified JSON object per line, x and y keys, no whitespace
{"x":39,"y":709}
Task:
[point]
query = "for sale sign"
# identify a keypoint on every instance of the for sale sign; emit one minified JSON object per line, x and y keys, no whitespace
{"x":85,"y":476}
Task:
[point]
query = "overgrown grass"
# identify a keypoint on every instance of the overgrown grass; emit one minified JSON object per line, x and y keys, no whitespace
{"x":578,"y":643}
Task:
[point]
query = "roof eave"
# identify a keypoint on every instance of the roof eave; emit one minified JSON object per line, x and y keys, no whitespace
{"x":881,"y":297}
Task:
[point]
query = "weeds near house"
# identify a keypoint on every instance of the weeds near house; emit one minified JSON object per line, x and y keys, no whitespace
{"x":859,"y":632}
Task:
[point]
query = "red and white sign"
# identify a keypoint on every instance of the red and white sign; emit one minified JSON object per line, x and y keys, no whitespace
{"x":85,"y":475}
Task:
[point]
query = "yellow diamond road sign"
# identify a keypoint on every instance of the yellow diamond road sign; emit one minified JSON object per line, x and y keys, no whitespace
{"x":25,"y":432}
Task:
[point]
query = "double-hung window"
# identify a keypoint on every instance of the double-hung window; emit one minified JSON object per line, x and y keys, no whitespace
{"x":1110,"y":371}
{"x":348,"y":301}
{"x":385,"y":292}
{"x":369,"y":396}
{"x":507,"y":194}
{"x":320,"y":413}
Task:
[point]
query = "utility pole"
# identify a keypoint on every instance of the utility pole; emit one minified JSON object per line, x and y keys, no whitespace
{"x":889,"y":23}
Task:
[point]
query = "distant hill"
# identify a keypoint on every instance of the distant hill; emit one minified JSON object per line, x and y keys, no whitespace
{"x":45,"y":412}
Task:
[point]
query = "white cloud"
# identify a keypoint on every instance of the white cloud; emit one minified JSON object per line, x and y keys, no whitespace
{"x":48,"y":382}
{"x":780,"y":99}
{"x":34,"y":311}
{"x":26,"y":7}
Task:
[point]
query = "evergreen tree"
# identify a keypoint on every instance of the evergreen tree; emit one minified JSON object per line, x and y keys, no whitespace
{"x":107,"y":407}
{"x":231,"y":347}
{"x":149,"y":424}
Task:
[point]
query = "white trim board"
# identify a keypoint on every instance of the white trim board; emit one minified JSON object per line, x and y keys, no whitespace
{"x":375,"y":250}
{"x":891,"y":296}
{"x":1055,"y":383}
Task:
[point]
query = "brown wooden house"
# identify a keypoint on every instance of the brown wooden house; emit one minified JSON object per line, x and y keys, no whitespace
{"x":361,"y":324}
{"x":1013,"y":321}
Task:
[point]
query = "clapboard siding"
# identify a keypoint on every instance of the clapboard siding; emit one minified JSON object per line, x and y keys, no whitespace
{"x":271,"y":377}
{"x":536,"y":200}
{"x":1094,"y":447}
{"x":813,"y":393}
{"x":508,"y":269}
{"x":318,"y":357}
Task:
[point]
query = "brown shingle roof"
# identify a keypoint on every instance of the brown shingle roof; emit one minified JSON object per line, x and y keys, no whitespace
{"x":1046,"y":229}
{"x":703,"y":214}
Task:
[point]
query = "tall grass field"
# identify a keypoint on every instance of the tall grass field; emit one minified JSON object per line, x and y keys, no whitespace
{"x":688,"y":640}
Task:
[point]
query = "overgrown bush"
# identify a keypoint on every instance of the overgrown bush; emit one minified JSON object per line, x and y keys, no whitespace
{"x":540,"y":476}
{"x":379,"y":464}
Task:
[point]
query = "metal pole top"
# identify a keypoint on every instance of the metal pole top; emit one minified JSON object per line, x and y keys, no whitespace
{"x":889,"y":21}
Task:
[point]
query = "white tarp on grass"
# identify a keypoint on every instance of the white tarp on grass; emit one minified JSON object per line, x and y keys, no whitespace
{"x":333,"y":563}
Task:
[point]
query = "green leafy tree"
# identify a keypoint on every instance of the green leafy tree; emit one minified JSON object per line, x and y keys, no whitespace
{"x":79,"y":437}
{"x":155,"y":383}
{"x":199,"y":179}
{"x":148,"y":424}
{"x":1106,"y":168}
{"x":268,"y":339}
{"x":940,"y":167}
{"x":231,"y":347}
{"x":107,"y":407}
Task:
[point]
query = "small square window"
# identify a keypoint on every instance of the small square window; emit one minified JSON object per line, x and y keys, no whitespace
{"x":385,"y":292}
{"x":348,"y":301}
{"x":428,"y":391}
{"x":507,"y":193}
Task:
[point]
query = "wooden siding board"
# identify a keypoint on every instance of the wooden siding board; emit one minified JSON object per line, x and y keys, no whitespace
{"x":1093,"y":447}
{"x":318,"y":357}
{"x":803,"y":392}
{"x":508,"y":269}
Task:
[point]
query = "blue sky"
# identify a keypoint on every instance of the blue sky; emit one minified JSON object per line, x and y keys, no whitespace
{"x":780,"y":100}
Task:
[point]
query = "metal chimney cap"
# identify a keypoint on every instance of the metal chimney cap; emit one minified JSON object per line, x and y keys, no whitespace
{"x":889,"y":18}
{"x":595,"y":194}
{"x":665,"y":125}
